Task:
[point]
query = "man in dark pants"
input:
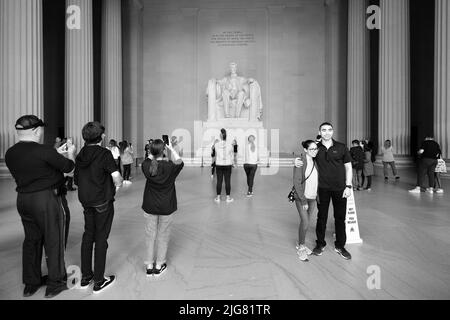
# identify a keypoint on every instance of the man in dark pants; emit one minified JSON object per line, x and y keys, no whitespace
{"x":334,"y":164}
{"x":97,"y":177}
{"x":39,"y":174}
{"x":429,"y":152}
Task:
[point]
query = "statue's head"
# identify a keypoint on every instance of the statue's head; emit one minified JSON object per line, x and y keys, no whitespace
{"x":233,"y":67}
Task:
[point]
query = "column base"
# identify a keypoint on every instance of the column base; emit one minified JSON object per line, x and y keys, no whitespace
{"x":4,"y":171}
{"x":401,"y":162}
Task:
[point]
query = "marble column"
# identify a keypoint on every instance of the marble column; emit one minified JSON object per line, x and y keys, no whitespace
{"x":358,"y":88}
{"x":132,"y":60}
{"x":21,"y":61}
{"x":336,"y":33}
{"x":79,"y":104}
{"x":111,"y":74}
{"x":394,"y":116}
{"x":442,"y":77}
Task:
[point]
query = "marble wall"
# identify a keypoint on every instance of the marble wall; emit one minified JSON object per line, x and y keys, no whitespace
{"x":281,"y":44}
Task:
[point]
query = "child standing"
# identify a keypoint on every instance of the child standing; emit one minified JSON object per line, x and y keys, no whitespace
{"x":358,"y":157}
{"x":368,"y":166}
{"x":388,"y":160}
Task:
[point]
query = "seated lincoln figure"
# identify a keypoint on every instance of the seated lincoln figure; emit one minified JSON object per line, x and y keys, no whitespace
{"x":229,"y":96}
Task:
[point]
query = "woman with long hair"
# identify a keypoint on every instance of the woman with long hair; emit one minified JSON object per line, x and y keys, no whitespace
{"x":160,"y":201}
{"x":126,"y":155}
{"x":306,"y":181}
{"x":251,"y":163}
{"x":224,"y":163}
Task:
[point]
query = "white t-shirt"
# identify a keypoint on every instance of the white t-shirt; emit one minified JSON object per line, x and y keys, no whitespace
{"x":312,"y":183}
{"x":224,"y":153}
{"x":115,"y":152}
{"x":251,"y":156}
{"x":388,"y":154}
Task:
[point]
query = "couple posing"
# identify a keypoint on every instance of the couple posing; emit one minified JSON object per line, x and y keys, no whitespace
{"x":323,"y":174}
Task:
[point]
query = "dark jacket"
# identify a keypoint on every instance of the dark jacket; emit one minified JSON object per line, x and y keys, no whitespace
{"x":160,"y":196}
{"x":93,"y":168}
{"x":299,"y":181}
{"x":357,"y":154}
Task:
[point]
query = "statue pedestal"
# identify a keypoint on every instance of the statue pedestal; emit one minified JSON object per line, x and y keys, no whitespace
{"x":237,"y":129}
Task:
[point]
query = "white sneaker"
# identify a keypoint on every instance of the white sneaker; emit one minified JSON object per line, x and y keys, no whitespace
{"x":308,"y":251}
{"x":302,"y":254}
{"x":439,"y":190}
{"x":212,"y":176}
{"x":129,"y":182}
{"x":217,"y":199}
{"x":430,"y":190}
{"x":229,"y":199}
{"x":415,"y":190}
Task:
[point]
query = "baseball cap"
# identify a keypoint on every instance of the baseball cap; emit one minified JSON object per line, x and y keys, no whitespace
{"x":29,"y":122}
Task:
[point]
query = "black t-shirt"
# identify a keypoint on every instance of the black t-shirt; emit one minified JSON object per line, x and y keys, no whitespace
{"x":36,"y":167}
{"x":431,"y":149}
{"x":330,"y":164}
{"x":93,"y":168}
{"x":160,"y":197}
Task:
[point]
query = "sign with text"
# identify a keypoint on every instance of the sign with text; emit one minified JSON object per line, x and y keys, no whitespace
{"x":351,"y":222}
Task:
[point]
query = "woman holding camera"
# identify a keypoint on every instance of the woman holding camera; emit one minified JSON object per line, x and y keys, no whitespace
{"x":160,"y":201}
{"x":306,"y":180}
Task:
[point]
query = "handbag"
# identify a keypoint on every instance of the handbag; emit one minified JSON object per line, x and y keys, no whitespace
{"x":441,"y":166}
{"x":291,"y":195}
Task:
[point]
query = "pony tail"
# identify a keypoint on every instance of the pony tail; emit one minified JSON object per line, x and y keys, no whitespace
{"x":153,"y":168}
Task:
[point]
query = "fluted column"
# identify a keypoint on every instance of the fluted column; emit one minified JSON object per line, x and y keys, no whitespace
{"x":442,"y":77}
{"x":358,"y":90}
{"x":21,"y":81}
{"x":394,"y":83}
{"x":79,"y":105}
{"x":111,"y":82}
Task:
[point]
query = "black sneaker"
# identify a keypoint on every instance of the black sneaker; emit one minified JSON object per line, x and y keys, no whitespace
{"x":30,"y":289}
{"x":50,"y":293}
{"x":158,"y":272}
{"x":107,"y":281}
{"x":318,"y":250}
{"x":343,"y":253}
{"x":85,"y":282}
{"x":150,"y":271}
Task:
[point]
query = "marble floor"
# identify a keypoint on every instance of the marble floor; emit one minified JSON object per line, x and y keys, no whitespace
{"x":246,"y":249}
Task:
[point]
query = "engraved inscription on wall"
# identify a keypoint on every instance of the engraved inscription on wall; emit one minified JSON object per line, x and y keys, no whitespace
{"x":232,"y":39}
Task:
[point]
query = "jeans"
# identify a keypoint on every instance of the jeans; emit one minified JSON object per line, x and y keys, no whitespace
{"x":357,"y":178}
{"x":213,"y":168}
{"x":386,"y":171}
{"x":250,"y":170}
{"x":97,"y":226}
{"x":223,"y":171}
{"x":157,"y":235}
{"x":369,"y":182}
{"x":340,"y":210}
{"x":426,"y":167}
{"x":304,"y":218}
{"x":45,"y":219}
{"x":126,"y":171}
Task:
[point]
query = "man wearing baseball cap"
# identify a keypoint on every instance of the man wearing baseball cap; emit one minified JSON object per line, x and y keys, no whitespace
{"x":39,"y":174}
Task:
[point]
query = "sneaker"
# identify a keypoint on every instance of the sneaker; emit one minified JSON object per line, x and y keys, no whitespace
{"x":415,"y":190}
{"x":30,"y":289}
{"x":386,"y":178}
{"x":157,"y":272}
{"x":217,"y":199}
{"x":249,"y":194}
{"x":397,"y":178}
{"x":318,"y":250}
{"x":85,"y":282}
{"x":368,"y":189}
{"x":429,"y":190}
{"x":308,"y":251}
{"x":229,"y":199}
{"x":343,"y":253}
{"x":107,"y":281}
{"x":50,"y":293}
{"x":302,"y":254}
{"x":150,"y":270}
{"x":439,"y":190}
{"x":212,"y":176}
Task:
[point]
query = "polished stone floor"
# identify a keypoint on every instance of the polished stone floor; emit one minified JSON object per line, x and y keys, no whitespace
{"x":246,"y":249}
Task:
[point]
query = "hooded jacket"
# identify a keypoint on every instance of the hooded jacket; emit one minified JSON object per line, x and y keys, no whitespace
{"x":160,"y":196}
{"x":93,"y":168}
